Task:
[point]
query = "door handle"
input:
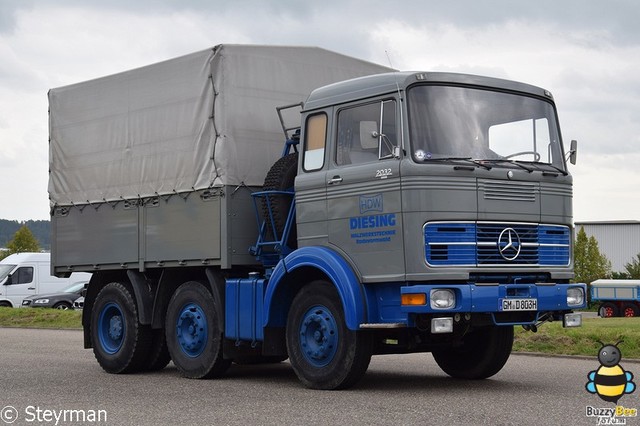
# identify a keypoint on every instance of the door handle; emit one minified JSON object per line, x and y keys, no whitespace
{"x":335,"y":179}
{"x":31,"y":288}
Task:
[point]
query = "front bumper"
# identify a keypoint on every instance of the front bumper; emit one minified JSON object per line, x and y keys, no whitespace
{"x":488,"y":298}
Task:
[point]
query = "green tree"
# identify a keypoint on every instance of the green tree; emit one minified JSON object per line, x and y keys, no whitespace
{"x":589,"y":263}
{"x":23,"y":241}
{"x":633,"y":268}
{"x":620,"y":276}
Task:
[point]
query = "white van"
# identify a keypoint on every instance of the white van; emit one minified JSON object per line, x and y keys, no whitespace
{"x":29,"y":274}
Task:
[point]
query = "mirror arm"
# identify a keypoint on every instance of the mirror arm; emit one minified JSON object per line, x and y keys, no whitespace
{"x":572,"y":154}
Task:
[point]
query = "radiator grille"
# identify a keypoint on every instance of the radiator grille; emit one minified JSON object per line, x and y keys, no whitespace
{"x":496,"y":244}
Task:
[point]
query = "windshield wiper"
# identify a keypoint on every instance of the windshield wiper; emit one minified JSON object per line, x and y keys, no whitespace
{"x":537,"y":164}
{"x":504,"y":160}
{"x":466,"y":159}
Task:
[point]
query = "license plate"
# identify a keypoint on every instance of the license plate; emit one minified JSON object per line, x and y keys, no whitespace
{"x":508,"y":305}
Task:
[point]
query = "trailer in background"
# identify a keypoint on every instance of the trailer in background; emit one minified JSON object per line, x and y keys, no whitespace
{"x":618,"y":298}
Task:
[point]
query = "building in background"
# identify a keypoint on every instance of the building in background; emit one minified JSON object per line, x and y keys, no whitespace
{"x":619,"y":240}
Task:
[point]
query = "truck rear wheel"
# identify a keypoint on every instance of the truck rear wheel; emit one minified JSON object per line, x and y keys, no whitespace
{"x":120,"y":343}
{"x":194,"y":334}
{"x":630,"y":310}
{"x":482,"y":354}
{"x":608,"y":310}
{"x":281,"y":177}
{"x":323,"y":352}
{"x":158,"y":356}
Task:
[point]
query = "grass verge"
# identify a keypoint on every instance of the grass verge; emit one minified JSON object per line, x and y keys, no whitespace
{"x":553,"y":339}
{"x":40,"y":318}
{"x":550,"y":339}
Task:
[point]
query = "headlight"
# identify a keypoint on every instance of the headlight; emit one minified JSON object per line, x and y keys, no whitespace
{"x":441,"y":325}
{"x":572,"y":320}
{"x":41,"y":301}
{"x":442,"y":299}
{"x":575,"y":296}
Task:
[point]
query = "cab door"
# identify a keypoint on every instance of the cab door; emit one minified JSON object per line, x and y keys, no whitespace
{"x":363,"y":189}
{"x":311,"y":196}
{"x":20,"y":284}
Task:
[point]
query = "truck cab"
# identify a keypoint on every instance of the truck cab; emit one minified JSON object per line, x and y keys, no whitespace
{"x":420,"y":173}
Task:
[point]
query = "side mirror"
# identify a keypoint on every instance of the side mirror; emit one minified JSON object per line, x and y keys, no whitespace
{"x":573,"y":151}
{"x":369,"y":135}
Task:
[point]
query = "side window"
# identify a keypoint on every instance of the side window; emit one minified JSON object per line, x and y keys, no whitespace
{"x":361,"y":138}
{"x":23,"y":275}
{"x":315,"y":142}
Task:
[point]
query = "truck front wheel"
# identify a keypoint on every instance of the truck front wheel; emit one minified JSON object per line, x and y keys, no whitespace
{"x":482,"y":353}
{"x":120,"y":343}
{"x":323,"y":352}
{"x":194,"y":334}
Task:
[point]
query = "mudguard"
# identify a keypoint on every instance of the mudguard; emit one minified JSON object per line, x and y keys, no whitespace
{"x":334,"y":266}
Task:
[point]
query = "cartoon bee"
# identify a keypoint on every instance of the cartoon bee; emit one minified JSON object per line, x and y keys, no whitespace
{"x":610,"y":381}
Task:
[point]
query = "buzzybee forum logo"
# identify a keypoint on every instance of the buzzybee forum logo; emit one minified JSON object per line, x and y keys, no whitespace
{"x":610,"y":382}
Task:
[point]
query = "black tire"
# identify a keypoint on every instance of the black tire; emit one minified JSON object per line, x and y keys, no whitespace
{"x":5,"y":305}
{"x":608,"y":310}
{"x":120,"y":343}
{"x":194,"y":333}
{"x":158,"y":356}
{"x":323,"y":352}
{"x":62,"y":306}
{"x":482,"y":354}
{"x":630,"y":310}
{"x":281,"y":177}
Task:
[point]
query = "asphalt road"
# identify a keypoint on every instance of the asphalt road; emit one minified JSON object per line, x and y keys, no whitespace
{"x":49,"y":370}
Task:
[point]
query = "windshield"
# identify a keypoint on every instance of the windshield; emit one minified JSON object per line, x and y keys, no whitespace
{"x":461,"y":122}
{"x":4,"y":271}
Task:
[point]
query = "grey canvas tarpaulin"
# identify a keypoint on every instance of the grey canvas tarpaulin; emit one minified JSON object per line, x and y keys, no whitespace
{"x":203,"y":120}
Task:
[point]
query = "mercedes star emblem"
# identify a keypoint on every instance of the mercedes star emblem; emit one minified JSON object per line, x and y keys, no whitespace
{"x":509,"y":244}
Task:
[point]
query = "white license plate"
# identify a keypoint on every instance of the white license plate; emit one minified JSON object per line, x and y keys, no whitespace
{"x":507,"y":305}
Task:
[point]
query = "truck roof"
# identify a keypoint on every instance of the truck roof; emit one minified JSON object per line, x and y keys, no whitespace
{"x":26,"y":257}
{"x":377,"y":84}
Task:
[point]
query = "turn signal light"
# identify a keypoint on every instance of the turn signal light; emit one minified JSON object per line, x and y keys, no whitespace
{"x":414,"y":299}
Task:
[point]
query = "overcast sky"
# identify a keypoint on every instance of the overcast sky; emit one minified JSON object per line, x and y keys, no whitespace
{"x":586,"y":53}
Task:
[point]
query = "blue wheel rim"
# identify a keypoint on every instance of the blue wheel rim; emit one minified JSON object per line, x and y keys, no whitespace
{"x":192,"y":330}
{"x":111,"y":328}
{"x":319,"y":336}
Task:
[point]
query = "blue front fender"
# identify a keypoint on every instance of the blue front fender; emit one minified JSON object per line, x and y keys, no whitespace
{"x":330,"y":264}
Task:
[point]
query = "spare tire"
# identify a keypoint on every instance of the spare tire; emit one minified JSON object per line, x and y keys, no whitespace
{"x":281,"y":177}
